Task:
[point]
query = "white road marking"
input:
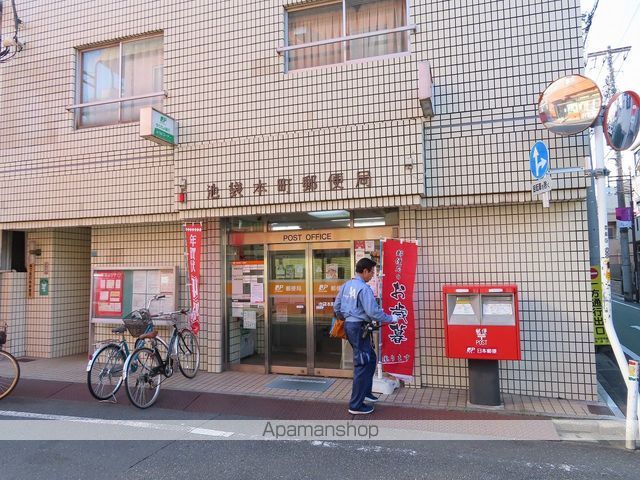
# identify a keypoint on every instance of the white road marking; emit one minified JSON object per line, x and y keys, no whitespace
{"x":633,"y":355}
{"x":118,"y":423}
{"x":211,"y":433}
{"x":622,"y":302}
{"x":367,"y":448}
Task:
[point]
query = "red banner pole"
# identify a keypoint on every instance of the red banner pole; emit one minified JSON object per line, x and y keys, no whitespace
{"x":379,"y":367}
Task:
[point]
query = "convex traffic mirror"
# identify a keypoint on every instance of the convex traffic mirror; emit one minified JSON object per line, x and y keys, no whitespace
{"x":570,"y":105}
{"x":622,"y":120}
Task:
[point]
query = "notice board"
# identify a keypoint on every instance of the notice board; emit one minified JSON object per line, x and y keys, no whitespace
{"x":116,"y":291}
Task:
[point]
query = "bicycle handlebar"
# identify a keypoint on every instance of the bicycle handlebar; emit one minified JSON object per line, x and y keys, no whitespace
{"x":170,"y":315}
{"x":154,"y":298}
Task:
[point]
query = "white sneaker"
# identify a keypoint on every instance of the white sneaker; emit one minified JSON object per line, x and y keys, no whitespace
{"x":363,"y":410}
{"x":371,"y":398}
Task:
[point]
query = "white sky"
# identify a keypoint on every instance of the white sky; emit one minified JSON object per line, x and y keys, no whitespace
{"x":616,"y":23}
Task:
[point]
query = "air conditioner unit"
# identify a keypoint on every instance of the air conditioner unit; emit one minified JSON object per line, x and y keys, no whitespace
{"x":425,"y":89}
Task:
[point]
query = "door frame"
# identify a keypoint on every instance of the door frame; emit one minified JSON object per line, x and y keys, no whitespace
{"x":348,"y":245}
{"x":307,"y":248}
{"x":289,"y":370}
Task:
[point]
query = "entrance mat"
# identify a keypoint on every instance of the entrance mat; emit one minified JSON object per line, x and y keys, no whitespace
{"x":25,"y":359}
{"x":309,"y":384}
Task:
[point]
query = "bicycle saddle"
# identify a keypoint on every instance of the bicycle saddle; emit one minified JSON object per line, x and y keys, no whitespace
{"x":119,"y":329}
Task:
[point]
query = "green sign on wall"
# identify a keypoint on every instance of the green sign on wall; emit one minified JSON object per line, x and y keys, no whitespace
{"x":44,"y":287}
{"x":158,"y":127}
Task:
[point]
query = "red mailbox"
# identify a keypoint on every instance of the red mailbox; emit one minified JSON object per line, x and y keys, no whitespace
{"x":481,"y":322}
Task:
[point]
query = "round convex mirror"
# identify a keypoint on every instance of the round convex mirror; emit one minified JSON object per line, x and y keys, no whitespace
{"x":570,"y":105}
{"x":622,"y":120}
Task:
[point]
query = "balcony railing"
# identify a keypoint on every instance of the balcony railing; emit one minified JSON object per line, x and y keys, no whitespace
{"x":116,"y":100}
{"x":346,"y":38}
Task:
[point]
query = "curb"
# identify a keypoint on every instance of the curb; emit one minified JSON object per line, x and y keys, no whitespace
{"x":610,"y":431}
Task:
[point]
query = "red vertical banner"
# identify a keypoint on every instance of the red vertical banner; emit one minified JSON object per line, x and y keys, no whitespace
{"x":399,"y":260}
{"x":194,"y":247}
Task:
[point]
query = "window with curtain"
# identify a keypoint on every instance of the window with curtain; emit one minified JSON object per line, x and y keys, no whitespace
{"x":127,"y":69}
{"x":343,"y":19}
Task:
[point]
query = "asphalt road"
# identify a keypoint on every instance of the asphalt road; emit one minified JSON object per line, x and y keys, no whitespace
{"x":626,"y":319}
{"x":149,"y":458}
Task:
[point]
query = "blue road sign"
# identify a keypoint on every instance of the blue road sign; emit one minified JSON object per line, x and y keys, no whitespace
{"x":539,"y":159}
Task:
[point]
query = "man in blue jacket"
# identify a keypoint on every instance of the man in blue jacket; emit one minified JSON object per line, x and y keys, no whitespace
{"x":357,"y":305}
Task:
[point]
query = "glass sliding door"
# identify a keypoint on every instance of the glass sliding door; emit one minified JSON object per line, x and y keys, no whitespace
{"x":287,"y":292}
{"x":331,"y":267}
{"x":303,"y":282}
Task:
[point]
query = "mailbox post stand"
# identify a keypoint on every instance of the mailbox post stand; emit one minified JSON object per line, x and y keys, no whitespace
{"x":484,"y":383}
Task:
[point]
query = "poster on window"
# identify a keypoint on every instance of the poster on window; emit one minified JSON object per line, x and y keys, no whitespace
{"x":193,"y":234}
{"x":108,"y":293}
{"x":399,"y":260}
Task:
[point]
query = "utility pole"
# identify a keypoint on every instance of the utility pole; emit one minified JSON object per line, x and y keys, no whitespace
{"x":636,"y":293}
{"x":627,"y":279}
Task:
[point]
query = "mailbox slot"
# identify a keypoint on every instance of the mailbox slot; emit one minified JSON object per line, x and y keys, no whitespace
{"x":498,"y":310}
{"x":464,"y":309}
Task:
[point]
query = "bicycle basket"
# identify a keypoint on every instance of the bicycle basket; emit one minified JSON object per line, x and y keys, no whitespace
{"x":137,"y":322}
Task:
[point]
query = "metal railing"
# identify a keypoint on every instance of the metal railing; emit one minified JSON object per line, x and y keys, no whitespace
{"x":346,"y":38}
{"x":117,"y":100}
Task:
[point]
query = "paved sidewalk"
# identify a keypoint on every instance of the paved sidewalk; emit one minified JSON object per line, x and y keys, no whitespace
{"x":73,"y":370}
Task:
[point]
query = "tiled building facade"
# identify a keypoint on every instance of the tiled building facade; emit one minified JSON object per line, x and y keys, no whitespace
{"x":261,"y":138}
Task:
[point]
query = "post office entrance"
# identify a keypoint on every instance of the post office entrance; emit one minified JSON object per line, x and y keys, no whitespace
{"x":280,"y":291}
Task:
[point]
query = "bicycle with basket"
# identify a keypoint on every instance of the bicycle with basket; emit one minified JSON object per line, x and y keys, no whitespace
{"x":146,"y":368}
{"x":106,"y":366}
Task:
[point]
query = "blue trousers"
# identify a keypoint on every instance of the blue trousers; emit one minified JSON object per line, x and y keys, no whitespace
{"x":364,"y":363}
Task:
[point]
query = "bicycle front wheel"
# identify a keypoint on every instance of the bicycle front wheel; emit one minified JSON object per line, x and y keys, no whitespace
{"x":9,"y":373}
{"x":188,"y":353}
{"x":104,"y":376}
{"x":142,"y":380}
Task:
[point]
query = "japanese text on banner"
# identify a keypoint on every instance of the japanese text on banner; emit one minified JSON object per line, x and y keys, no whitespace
{"x":194,"y":246}
{"x":399,"y":259}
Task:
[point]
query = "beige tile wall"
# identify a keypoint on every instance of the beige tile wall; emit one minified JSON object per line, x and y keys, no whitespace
{"x":40,"y":319}
{"x":70,"y":289}
{"x":548,"y":260}
{"x":244,"y":120}
{"x":212,"y":334}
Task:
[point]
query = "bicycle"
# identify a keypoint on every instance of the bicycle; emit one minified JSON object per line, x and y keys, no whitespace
{"x":146,"y":369}
{"x":106,"y":365}
{"x":9,"y":368}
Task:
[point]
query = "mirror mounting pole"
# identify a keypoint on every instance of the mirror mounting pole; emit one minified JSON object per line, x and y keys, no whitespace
{"x":605,"y":274}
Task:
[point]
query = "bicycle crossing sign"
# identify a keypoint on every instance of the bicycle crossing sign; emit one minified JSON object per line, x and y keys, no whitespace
{"x":539,"y":160}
